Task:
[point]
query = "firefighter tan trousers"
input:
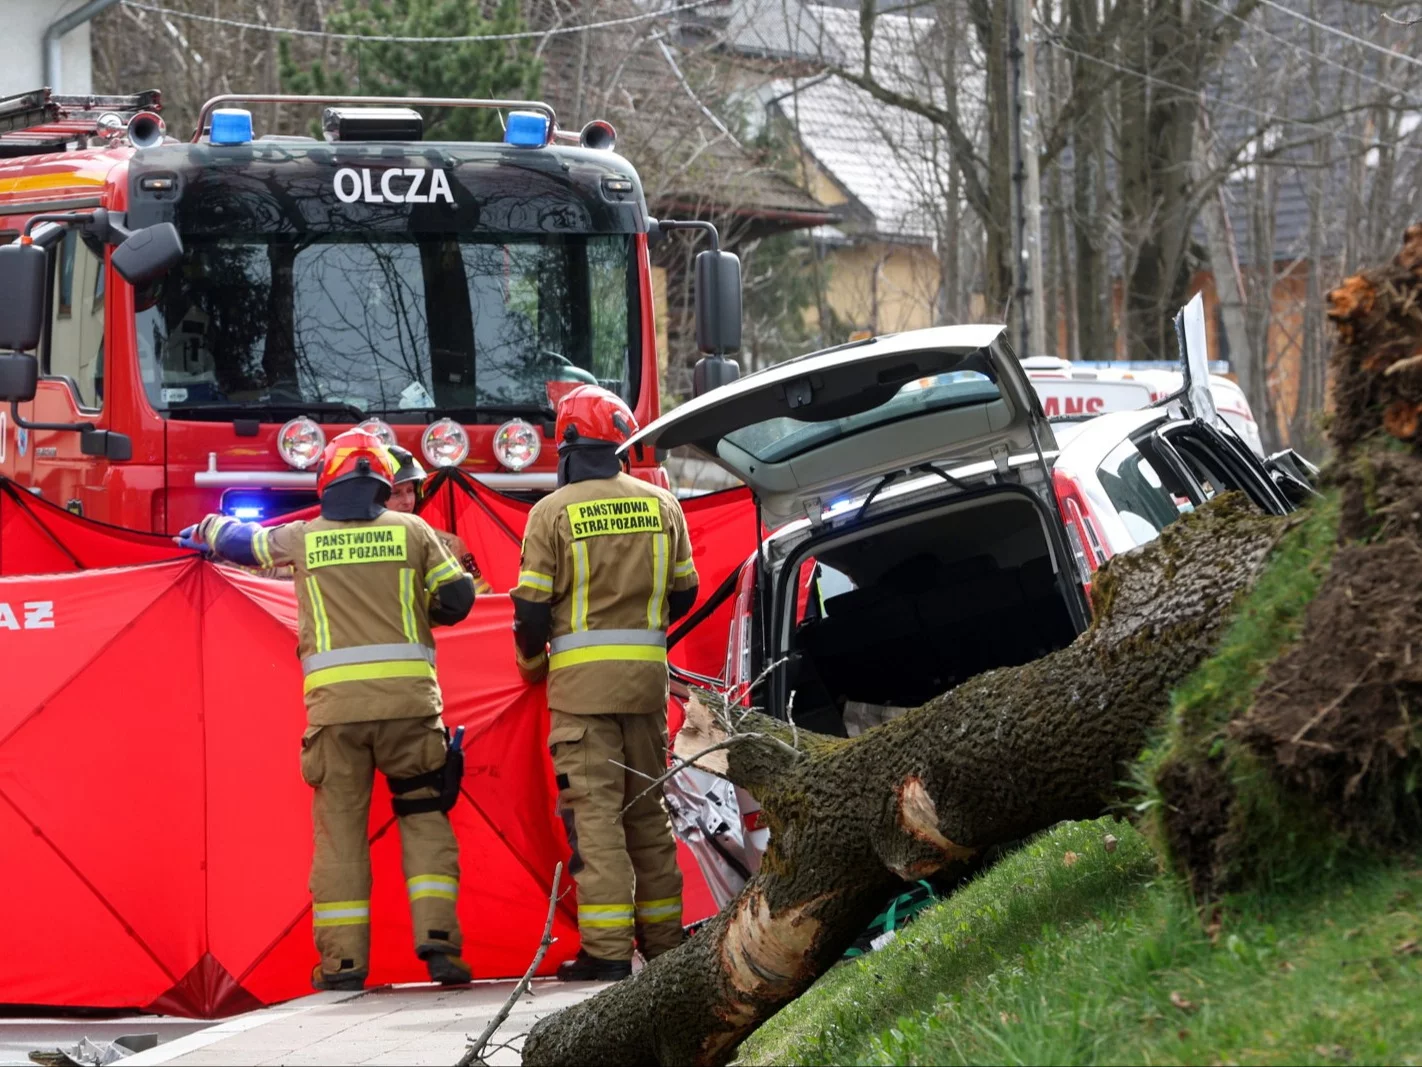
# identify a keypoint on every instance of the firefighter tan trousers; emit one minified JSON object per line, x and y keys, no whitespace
{"x":625,"y":865}
{"x":340,"y":762}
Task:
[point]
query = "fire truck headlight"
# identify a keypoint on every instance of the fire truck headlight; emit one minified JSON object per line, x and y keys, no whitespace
{"x":380,"y":429}
{"x":300,"y":443}
{"x":445,"y":444}
{"x":516,"y":444}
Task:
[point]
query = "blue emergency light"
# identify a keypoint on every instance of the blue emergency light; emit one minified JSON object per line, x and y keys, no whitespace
{"x":231,"y":125}
{"x":526,"y":129}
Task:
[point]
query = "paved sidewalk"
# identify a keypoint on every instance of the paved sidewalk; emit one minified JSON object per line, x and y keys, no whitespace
{"x":409,"y":1024}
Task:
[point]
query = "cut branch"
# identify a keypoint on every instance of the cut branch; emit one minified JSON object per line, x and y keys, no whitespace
{"x":476,"y":1048}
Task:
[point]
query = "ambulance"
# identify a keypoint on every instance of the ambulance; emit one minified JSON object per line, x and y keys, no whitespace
{"x":1081,"y":389}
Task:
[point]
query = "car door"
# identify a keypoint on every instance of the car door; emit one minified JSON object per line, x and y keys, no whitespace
{"x":1215,"y":454}
{"x":1220,"y":464}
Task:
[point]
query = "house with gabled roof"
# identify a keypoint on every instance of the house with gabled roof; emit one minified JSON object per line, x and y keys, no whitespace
{"x":878,"y":167}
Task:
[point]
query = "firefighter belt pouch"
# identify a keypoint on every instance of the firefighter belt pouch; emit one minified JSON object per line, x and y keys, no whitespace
{"x":446,"y":779}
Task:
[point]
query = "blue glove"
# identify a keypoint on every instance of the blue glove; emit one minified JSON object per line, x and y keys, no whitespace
{"x":457,"y":741}
{"x":188,"y":538}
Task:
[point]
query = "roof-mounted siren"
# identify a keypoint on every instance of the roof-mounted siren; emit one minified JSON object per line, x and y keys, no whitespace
{"x":598,"y":135}
{"x":146,"y":129}
{"x":372,"y":124}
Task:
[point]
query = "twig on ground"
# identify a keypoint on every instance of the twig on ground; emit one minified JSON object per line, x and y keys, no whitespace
{"x":476,"y":1048}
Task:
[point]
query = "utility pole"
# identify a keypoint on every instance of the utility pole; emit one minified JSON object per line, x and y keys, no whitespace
{"x":1027,"y":182}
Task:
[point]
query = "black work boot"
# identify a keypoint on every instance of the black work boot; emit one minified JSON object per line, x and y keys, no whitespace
{"x":585,"y":968}
{"x":448,"y":970}
{"x":445,"y":967}
{"x":342,"y":981}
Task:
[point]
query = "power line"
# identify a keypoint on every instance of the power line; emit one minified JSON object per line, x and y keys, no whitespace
{"x":1308,"y":52}
{"x":393,"y":39}
{"x":1266,"y":115}
{"x":1343,"y":33}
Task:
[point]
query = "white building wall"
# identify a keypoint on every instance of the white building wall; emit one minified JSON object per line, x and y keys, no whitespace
{"x":24,"y":23}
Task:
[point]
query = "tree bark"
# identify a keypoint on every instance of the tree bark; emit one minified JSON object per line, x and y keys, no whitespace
{"x":1004,"y":755}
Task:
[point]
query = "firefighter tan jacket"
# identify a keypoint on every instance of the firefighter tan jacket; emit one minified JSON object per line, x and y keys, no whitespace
{"x":363,"y":590}
{"x":604,"y":553}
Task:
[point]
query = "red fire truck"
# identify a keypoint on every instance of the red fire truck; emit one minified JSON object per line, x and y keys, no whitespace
{"x":190,"y":322}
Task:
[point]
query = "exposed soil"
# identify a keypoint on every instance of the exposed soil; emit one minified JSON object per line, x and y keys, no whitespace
{"x":1377,"y":362}
{"x":1201,"y":801}
{"x":1339,"y":716}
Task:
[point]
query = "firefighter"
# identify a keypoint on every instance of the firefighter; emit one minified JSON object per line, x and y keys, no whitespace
{"x":606,"y":567}
{"x":407,"y":492}
{"x":370,"y":583}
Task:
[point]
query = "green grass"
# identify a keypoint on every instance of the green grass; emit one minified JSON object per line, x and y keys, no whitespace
{"x":1040,"y":962}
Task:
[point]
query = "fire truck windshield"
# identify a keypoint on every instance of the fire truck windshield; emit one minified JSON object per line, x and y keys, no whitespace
{"x":401,"y":324}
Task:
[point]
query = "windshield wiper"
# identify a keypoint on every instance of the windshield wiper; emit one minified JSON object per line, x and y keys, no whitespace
{"x":273,"y":407}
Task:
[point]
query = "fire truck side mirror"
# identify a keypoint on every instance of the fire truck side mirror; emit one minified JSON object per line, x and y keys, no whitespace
{"x":23,"y":278}
{"x":712,"y":372}
{"x":148,"y":254}
{"x":718,"y":302}
{"x":19,"y":376}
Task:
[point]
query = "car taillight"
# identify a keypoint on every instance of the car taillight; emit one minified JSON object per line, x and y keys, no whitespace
{"x":1087,"y":545}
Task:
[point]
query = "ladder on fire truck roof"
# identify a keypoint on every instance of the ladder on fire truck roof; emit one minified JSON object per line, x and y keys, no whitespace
{"x":39,"y":122}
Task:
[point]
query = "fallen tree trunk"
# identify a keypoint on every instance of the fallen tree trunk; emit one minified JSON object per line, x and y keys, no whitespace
{"x":1004,"y":755}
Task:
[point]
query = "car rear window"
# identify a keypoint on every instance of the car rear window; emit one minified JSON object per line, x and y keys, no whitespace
{"x":781,"y":438}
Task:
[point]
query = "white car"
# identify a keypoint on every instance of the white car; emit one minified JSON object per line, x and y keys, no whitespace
{"x":927,"y":527}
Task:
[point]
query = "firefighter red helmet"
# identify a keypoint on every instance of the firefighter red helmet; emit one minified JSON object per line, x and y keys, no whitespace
{"x":355,"y":454}
{"x":592,"y":413}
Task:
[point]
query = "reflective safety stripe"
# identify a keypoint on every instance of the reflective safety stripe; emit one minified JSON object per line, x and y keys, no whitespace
{"x":261,"y":547}
{"x":341,"y":913}
{"x":343,"y":657}
{"x":607,"y":653}
{"x":657,"y":601}
{"x":605,"y":915}
{"x":536,"y":580}
{"x":657,"y":911}
{"x":580,"y":585}
{"x":592,"y":638}
{"x":684,"y":569}
{"x":443,"y":574}
{"x":320,"y":622}
{"x":441,"y":886}
{"x":368,"y":672}
{"x":407,"y":604}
